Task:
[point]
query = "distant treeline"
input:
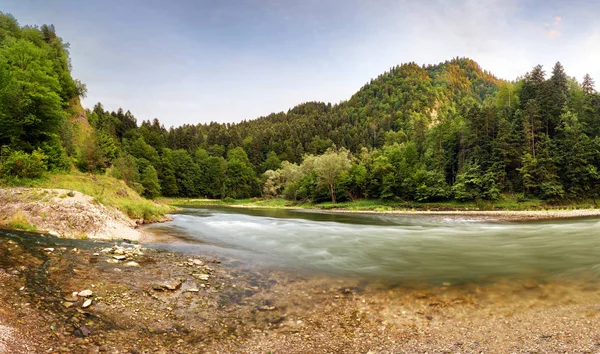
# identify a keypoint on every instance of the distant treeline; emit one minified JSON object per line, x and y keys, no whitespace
{"x":425,"y":133}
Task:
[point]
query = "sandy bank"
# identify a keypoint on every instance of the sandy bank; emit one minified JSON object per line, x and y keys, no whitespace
{"x":64,"y":213}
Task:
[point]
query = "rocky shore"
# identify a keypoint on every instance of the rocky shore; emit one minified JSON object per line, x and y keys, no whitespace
{"x":79,"y":296}
{"x":63,"y":213}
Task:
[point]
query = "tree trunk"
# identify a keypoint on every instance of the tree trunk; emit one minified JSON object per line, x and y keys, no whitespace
{"x":332,"y":191}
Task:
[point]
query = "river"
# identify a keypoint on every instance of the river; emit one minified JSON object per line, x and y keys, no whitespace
{"x":396,"y":249}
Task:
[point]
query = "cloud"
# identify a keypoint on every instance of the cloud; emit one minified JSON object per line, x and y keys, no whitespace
{"x":553,"y":33}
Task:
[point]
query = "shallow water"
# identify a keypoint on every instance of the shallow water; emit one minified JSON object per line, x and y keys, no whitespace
{"x":390,"y":248}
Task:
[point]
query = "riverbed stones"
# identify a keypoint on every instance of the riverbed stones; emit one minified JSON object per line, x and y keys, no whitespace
{"x":85,"y":293}
{"x":132,"y":264}
{"x":171,"y":284}
{"x":201,"y":276}
{"x":87,"y":303}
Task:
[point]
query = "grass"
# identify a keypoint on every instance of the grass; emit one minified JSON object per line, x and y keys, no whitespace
{"x":277,"y":203}
{"x":105,"y":190}
{"x":507,"y":202}
{"x":19,"y":222}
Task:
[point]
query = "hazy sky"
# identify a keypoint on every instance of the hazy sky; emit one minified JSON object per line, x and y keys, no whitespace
{"x":190,"y":61}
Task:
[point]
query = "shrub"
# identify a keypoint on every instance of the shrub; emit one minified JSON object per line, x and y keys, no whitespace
{"x":19,"y":221}
{"x":24,"y":165}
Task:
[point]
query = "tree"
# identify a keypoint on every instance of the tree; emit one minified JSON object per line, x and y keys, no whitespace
{"x":150,"y":182}
{"x":272,"y":162}
{"x":588,"y":84}
{"x":272,"y":183}
{"x":212,"y":174}
{"x":290,"y":174}
{"x":31,"y":109}
{"x":330,"y":166}
{"x":241,"y":179}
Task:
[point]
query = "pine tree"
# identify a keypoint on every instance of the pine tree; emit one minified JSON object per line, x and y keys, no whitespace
{"x":588,"y":84}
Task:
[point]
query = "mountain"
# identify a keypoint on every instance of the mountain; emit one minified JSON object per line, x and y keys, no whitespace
{"x":425,"y":133}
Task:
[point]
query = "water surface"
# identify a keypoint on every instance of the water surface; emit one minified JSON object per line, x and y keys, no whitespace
{"x":391,"y":248}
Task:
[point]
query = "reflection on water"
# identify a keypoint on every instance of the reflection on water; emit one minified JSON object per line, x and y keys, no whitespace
{"x":391,"y":248}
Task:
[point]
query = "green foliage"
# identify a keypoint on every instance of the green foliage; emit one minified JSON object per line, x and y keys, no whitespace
{"x":23,"y":165}
{"x":241,"y":181}
{"x":150,"y":182}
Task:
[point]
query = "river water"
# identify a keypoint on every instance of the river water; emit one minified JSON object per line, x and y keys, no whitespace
{"x":388,"y":248}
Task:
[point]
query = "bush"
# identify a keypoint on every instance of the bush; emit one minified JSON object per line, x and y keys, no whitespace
{"x":19,"y":221}
{"x":24,"y":165}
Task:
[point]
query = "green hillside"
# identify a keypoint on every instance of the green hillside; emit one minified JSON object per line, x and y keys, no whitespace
{"x":450,"y":131}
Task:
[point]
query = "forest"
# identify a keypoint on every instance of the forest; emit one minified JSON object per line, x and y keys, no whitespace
{"x":450,"y":131}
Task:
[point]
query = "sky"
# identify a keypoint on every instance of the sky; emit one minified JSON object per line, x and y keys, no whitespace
{"x":196,"y":61}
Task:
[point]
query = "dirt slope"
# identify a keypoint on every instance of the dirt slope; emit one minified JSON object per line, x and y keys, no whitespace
{"x":64,"y":213}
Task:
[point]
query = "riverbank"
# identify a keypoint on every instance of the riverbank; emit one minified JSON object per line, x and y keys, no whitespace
{"x":63,"y":213}
{"x":77,"y":205}
{"x":146,"y":300}
{"x":105,"y":190}
{"x":500,"y":213}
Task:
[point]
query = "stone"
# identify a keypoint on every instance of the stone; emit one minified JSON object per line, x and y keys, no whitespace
{"x":172,"y":284}
{"x":49,"y":249}
{"x":119,"y":257}
{"x":267,"y":308}
{"x":201,"y":276}
{"x":193,"y":290}
{"x":132,"y":264}
{"x":87,"y":303}
{"x":85,"y":293}
{"x":82,"y":331}
{"x":197,"y":262}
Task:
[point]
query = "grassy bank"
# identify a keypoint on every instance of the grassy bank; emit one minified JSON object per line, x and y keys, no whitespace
{"x":106,"y":190}
{"x":506,"y":202}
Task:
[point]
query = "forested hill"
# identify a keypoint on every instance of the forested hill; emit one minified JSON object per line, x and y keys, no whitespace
{"x":426,"y":133}
{"x":406,"y":99}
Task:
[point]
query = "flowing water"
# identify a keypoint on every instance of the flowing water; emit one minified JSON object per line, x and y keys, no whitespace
{"x":389,"y":248}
